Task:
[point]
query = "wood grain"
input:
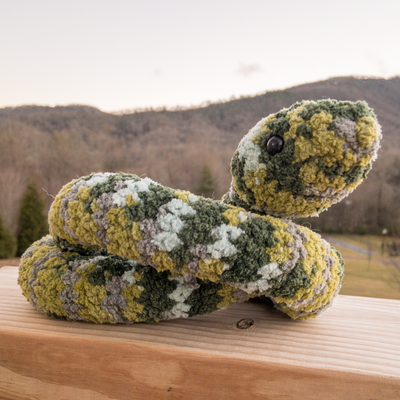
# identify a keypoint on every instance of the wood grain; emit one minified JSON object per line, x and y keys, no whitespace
{"x":351,"y":352}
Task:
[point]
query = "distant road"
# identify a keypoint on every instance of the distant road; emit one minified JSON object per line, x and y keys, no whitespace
{"x":349,"y":246}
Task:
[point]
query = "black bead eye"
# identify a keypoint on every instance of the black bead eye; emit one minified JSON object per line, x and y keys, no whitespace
{"x":274,"y":145}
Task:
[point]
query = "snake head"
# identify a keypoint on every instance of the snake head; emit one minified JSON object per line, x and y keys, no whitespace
{"x":301,"y":160}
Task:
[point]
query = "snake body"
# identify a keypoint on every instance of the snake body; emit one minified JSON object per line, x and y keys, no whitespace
{"x":123,"y":249}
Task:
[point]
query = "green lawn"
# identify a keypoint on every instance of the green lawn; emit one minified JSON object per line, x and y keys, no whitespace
{"x":372,"y":242}
{"x":377,"y":277}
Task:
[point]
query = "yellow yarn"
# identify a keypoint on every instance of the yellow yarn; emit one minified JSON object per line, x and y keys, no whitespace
{"x":227,"y":293}
{"x":323,"y":143}
{"x":294,"y":121}
{"x":231,"y":215}
{"x":56,"y":224}
{"x":365,"y":160}
{"x":367,"y":131}
{"x":182,"y":195}
{"x":311,"y":174}
{"x":164,"y":263}
{"x":123,"y":241}
{"x":212,"y":269}
{"x":90,"y":297}
{"x":50,"y":285}
{"x":82,"y":223}
{"x":134,"y":309}
{"x":280,"y":252}
{"x":348,"y":160}
{"x":266,"y":195}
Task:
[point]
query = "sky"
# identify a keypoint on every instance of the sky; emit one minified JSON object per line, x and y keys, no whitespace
{"x":124,"y":54}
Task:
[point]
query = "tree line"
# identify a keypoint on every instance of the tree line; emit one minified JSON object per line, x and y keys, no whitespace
{"x":32,"y":224}
{"x":188,"y":150}
{"x":32,"y":218}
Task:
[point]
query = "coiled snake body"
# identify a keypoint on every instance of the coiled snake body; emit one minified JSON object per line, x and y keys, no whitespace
{"x":123,"y":249}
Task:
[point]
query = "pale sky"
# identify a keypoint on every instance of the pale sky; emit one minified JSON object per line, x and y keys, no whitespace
{"x":126,"y":54}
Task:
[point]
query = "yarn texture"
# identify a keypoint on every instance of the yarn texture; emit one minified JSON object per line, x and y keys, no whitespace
{"x":123,"y":249}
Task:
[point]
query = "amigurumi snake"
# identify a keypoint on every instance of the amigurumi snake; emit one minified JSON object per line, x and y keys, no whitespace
{"x":123,"y":249}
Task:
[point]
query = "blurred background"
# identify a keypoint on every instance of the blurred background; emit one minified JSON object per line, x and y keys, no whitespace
{"x":167,"y":90}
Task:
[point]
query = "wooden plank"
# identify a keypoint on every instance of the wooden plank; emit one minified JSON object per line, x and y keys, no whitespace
{"x":11,"y":262}
{"x":351,"y":352}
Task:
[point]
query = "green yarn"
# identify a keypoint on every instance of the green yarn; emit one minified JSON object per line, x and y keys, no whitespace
{"x":124,"y":249}
{"x":106,"y":187}
{"x":204,"y":300}
{"x":156,"y":288}
{"x":150,"y":203}
{"x":340,"y":138}
{"x":287,"y":285}
{"x":251,"y":247}
{"x":88,"y":251}
{"x":343,"y":109}
{"x":357,"y":173}
{"x":107,"y":268}
{"x":198,"y":227}
{"x":304,"y":130}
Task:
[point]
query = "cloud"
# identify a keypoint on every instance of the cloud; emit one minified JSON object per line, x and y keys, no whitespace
{"x":248,"y":69}
{"x":379,"y":65}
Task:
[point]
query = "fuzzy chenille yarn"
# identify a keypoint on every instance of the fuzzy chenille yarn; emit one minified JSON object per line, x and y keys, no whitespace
{"x":328,"y":150}
{"x":123,"y":249}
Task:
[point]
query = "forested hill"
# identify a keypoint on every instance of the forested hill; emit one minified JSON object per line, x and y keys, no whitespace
{"x":53,"y":145}
{"x":228,"y":119}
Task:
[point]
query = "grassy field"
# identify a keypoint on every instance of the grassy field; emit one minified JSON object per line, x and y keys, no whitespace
{"x":373,"y":275}
{"x":375,"y":243}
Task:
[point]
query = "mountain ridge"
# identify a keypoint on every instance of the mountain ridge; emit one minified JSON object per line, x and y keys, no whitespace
{"x":56,"y":144}
{"x":304,"y":86}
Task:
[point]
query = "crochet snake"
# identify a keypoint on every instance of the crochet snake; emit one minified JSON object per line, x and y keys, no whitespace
{"x":123,"y":249}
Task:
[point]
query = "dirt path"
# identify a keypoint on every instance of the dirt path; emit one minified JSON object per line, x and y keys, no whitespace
{"x":350,"y":246}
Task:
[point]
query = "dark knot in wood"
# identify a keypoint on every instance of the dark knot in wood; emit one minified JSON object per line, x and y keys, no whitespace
{"x":245,"y":323}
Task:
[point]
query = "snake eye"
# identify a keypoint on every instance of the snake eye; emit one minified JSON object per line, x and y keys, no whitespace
{"x":274,"y":145}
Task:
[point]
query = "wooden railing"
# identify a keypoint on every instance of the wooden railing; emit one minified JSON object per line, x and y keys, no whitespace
{"x":249,"y":351}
